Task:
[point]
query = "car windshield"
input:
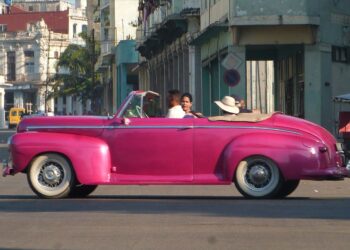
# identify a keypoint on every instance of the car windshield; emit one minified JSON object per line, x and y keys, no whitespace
{"x":151,"y":105}
{"x":143,"y":106}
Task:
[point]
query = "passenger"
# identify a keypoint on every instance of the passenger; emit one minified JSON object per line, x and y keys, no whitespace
{"x":175,"y":110}
{"x":186,"y":104}
{"x":241,"y":104}
{"x":228,"y":106}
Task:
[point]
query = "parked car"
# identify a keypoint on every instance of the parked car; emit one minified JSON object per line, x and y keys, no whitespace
{"x":265,"y":156}
{"x":15,"y":116}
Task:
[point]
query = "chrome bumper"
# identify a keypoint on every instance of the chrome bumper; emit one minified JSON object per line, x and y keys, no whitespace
{"x":7,"y":168}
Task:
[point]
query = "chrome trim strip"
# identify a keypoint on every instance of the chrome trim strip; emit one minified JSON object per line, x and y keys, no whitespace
{"x":252,"y":127}
{"x":33,"y":128}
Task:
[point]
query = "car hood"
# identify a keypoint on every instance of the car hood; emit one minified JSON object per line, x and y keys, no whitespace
{"x":83,"y":125}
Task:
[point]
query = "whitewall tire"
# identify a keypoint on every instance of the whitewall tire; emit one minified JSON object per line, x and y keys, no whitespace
{"x":51,"y":176}
{"x":258,"y":177}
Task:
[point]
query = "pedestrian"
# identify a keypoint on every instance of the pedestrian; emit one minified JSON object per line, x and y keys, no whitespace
{"x":175,"y":109}
{"x":186,"y":104}
{"x":228,"y":106}
{"x":241,"y":104}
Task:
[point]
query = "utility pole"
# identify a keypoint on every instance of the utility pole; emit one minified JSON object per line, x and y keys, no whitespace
{"x":93,"y":60}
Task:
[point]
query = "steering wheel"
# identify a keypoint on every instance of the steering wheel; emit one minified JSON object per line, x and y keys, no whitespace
{"x":138,"y":110}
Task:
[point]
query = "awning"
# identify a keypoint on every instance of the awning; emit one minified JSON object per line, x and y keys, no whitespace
{"x":342,"y":98}
{"x":210,"y":31}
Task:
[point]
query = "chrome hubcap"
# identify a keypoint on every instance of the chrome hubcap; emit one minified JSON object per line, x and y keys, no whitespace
{"x":51,"y":174}
{"x":258,"y":175}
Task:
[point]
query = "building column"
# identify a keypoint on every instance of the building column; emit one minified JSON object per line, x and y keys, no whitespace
{"x":2,"y":108}
{"x":78,"y":107}
{"x":318,"y":90}
{"x":240,"y":66}
{"x":18,"y":99}
{"x":60,"y":105}
{"x":88,"y":105}
{"x":3,"y":63}
{"x":20,"y":70}
{"x":115,"y":91}
{"x":40,"y":99}
{"x":69,"y":110}
{"x":123,"y":87}
{"x":194,"y":80}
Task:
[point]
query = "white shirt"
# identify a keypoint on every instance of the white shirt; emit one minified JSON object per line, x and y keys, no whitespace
{"x":176,"y":112}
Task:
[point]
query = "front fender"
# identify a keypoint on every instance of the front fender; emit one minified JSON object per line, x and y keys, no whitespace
{"x":89,"y":156}
{"x":286,"y":150}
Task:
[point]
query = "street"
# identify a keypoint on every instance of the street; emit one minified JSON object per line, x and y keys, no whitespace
{"x":315,"y":216}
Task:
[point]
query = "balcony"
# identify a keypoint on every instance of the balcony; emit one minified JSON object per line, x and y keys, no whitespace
{"x":164,"y":25}
{"x":78,"y":13}
{"x":165,"y":11}
{"x":270,"y":12}
{"x":181,"y":5}
{"x":77,"y":40}
{"x":33,"y":77}
{"x":106,"y":47}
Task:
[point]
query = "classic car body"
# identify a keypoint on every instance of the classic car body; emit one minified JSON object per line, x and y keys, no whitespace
{"x":264,"y":155}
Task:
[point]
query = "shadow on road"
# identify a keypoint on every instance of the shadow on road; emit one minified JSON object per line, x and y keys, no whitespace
{"x":292,"y":208}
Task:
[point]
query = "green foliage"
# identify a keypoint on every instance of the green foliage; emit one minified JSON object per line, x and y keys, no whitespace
{"x":79,"y":78}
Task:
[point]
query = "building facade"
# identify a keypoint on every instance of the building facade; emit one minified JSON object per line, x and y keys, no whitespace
{"x":168,"y":60}
{"x":43,"y":6}
{"x":290,"y":56}
{"x":116,"y":19}
{"x":31,"y":45}
{"x":126,"y":58}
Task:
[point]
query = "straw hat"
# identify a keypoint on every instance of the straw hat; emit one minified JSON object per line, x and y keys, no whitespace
{"x":228,"y":104}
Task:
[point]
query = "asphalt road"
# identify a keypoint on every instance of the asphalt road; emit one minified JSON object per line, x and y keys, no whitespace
{"x":316,"y":216}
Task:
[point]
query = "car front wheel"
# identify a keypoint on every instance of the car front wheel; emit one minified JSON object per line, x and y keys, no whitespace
{"x":258,"y":178}
{"x":81,"y":191}
{"x":287,"y":188}
{"x":51,"y":176}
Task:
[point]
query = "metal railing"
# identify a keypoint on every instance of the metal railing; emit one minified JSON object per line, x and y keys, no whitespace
{"x":32,"y":77}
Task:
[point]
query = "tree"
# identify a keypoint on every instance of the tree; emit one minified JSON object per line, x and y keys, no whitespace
{"x":75,"y":71}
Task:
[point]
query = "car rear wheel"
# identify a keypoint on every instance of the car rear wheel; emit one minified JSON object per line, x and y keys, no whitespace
{"x":258,"y":178}
{"x":51,"y":176}
{"x":81,"y":191}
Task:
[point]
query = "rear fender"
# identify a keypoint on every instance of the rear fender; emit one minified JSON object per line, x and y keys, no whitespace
{"x":286,"y":150}
{"x":89,"y":156}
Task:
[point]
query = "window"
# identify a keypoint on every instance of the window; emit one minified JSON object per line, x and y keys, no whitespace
{"x":29,"y":61}
{"x":29,"y":53}
{"x":11,"y":66}
{"x":84,"y":28}
{"x":30,"y":8}
{"x":3,"y":28}
{"x":56,"y":54}
{"x":75,"y":30}
{"x":341,"y":54}
{"x":106,"y":34}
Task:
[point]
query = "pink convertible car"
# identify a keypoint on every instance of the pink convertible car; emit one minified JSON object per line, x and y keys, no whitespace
{"x":265,"y":156}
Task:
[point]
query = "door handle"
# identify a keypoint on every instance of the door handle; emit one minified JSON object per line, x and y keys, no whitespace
{"x":186,"y":128}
